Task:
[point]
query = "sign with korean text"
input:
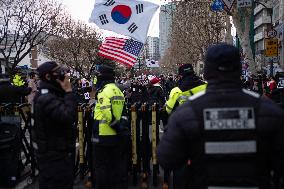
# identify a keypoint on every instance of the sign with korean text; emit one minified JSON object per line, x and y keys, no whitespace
{"x":244,"y":3}
{"x":271,"y":47}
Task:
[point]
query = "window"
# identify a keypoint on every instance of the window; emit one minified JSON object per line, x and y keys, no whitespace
{"x":275,"y":13}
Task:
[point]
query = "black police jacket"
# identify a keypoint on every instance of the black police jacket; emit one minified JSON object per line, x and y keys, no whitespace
{"x":55,"y":115}
{"x":232,"y":137}
{"x":12,"y":94}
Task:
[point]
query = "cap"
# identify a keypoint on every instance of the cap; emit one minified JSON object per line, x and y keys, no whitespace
{"x":155,"y":80}
{"x":222,"y":58}
{"x":47,"y":67}
{"x":185,"y":69}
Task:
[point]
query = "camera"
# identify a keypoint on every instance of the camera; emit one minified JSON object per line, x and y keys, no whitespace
{"x":61,"y":72}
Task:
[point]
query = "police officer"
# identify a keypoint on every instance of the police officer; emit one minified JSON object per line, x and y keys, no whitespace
{"x":110,"y":162}
{"x":10,"y":93}
{"x":55,"y":112}
{"x":17,"y":79}
{"x":188,"y":85}
{"x":232,"y":136}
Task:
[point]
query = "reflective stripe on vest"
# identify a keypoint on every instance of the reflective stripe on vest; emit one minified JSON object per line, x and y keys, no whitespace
{"x":117,"y":98}
{"x":232,"y":147}
{"x":186,"y":94}
{"x":105,"y":107}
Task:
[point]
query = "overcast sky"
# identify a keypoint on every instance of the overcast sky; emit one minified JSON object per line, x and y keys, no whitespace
{"x":81,"y":9}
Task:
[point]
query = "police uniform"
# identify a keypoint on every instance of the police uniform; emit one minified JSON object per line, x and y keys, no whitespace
{"x":189,"y":85}
{"x":55,"y":114}
{"x":178,"y":97}
{"x":10,"y":93}
{"x":233,"y":137}
{"x":18,"y":81}
{"x":109,"y":159}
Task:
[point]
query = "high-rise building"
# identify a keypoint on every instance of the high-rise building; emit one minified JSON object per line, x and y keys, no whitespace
{"x":152,"y":48}
{"x":262,"y":23}
{"x":166,"y":15}
{"x":278,"y":18}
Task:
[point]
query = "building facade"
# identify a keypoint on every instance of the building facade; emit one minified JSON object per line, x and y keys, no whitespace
{"x":165,"y":21}
{"x":152,"y":48}
{"x":262,"y":23}
{"x":278,"y":16}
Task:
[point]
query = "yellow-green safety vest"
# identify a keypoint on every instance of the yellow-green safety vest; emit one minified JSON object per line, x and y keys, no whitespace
{"x":181,"y":96}
{"x":95,"y":80}
{"x":17,"y":81}
{"x":110,"y":103}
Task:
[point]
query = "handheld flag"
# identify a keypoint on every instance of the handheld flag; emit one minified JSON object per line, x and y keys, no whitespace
{"x":124,"y":51}
{"x":126,"y":17}
{"x":152,"y":63}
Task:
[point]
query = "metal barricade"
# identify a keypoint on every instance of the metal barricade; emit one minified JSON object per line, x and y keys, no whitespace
{"x":21,"y":116}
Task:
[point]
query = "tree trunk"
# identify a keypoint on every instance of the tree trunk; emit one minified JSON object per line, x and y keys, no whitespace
{"x":228,"y":37}
{"x":244,"y":35}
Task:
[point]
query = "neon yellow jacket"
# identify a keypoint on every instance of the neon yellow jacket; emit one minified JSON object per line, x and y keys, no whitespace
{"x":17,"y":80}
{"x":177,"y":95}
{"x":110,"y":103}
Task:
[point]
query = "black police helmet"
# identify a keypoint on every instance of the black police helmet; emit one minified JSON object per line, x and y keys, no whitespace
{"x":105,"y":70}
{"x":185,"y":69}
{"x":222,"y":61}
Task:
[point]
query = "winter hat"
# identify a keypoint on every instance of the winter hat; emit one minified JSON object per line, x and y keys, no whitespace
{"x":105,"y":73}
{"x":47,"y":67}
{"x":185,"y":69}
{"x":155,"y":80}
{"x":222,"y":60}
{"x":105,"y":70}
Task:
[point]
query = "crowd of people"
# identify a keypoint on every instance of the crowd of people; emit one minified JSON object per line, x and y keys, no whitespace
{"x":222,"y":130}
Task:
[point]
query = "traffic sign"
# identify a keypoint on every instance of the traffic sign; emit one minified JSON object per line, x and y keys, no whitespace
{"x":271,"y":47}
{"x":271,"y":33}
{"x":217,"y":5}
{"x":229,"y":4}
{"x":244,"y":3}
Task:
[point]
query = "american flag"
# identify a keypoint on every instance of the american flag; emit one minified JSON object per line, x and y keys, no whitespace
{"x":124,"y":51}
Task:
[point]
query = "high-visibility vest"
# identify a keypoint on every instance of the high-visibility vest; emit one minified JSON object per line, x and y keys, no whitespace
{"x":177,"y":95}
{"x":17,"y":81}
{"x":108,"y":108}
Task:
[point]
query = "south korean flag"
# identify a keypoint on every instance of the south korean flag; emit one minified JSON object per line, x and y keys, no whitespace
{"x":127,"y":17}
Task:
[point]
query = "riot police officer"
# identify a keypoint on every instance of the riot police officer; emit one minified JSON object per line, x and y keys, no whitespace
{"x":55,"y":112}
{"x":188,"y":85}
{"x":110,"y":162}
{"x":233,"y":137}
{"x":10,"y":93}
